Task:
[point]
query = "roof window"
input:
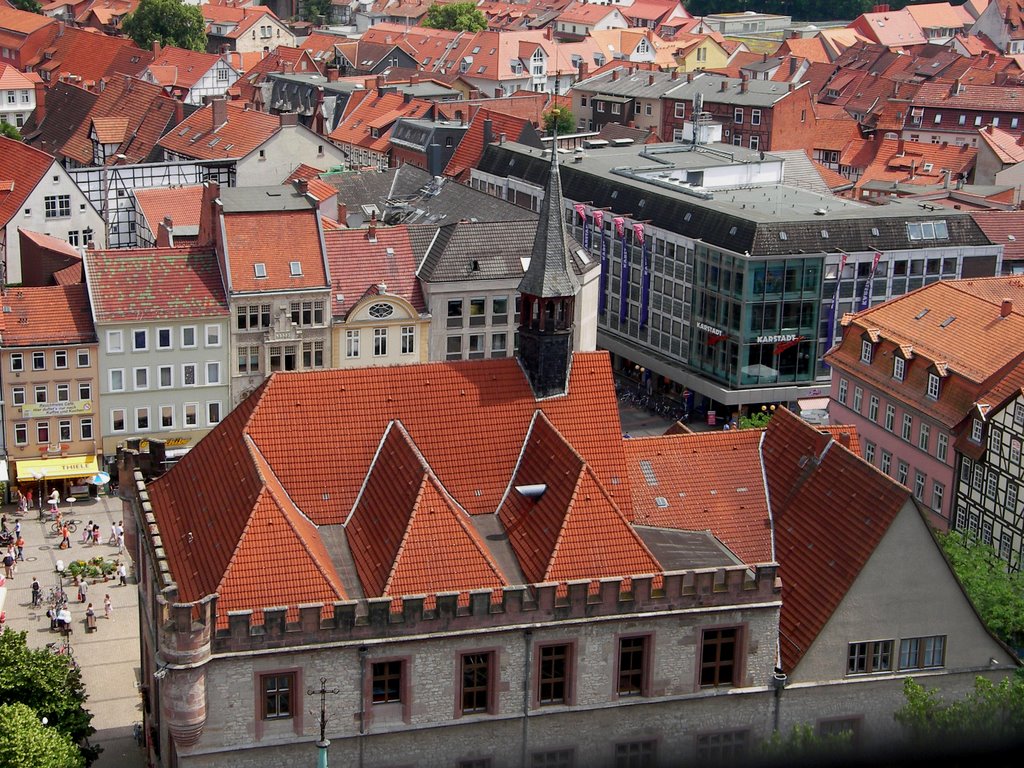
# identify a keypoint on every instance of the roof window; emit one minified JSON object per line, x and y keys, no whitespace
{"x":947,"y":322}
{"x":295,"y":268}
{"x":260,"y":269}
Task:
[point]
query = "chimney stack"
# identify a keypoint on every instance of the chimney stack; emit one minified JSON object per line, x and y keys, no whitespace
{"x":220,"y":112}
{"x":342,"y":213}
{"x":302,"y":185}
{"x":40,"y":102}
{"x":156,"y":49}
{"x":725,"y":84}
{"x":650,"y":78}
{"x":615,"y":75}
{"x":1006,"y":308}
{"x":488,"y":131}
{"x":332,"y":74}
{"x":371,"y":229}
{"x":743,"y":85}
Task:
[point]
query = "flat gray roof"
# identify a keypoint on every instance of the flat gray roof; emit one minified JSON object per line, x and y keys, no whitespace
{"x":251,"y":199}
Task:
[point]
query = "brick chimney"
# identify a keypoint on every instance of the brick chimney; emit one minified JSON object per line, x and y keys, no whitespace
{"x":1006,"y":308}
{"x":302,"y":186}
{"x":743,"y":84}
{"x":615,"y":75}
{"x":371,"y":229}
{"x":342,"y":213}
{"x":156,"y":49}
{"x":165,"y":233}
{"x":220,"y":112}
{"x":332,"y":75}
{"x":40,"y":102}
{"x":583,"y":69}
{"x":724,"y":84}
{"x":650,"y":79}
{"x":289,"y":118}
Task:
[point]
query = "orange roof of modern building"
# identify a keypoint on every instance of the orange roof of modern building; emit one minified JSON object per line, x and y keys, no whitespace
{"x":22,"y":22}
{"x":56,"y":314}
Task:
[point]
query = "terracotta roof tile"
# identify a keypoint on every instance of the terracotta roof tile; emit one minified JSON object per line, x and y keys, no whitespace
{"x":252,"y":238}
{"x":186,"y":67}
{"x":243,"y":131}
{"x":357,"y":265}
{"x":705,"y":481}
{"x":467,"y":155}
{"x":110,"y":130}
{"x":21,"y":171}
{"x":303,"y":172}
{"x":831,"y":509}
{"x":48,"y":315}
{"x":154,"y":284}
{"x":88,"y":54}
{"x":1006,"y":146}
{"x":23,"y":22}
{"x":1005,"y":228}
{"x":182,"y":204}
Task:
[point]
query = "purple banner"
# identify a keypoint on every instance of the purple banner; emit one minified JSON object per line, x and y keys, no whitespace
{"x":645,"y":272}
{"x":835,"y":303}
{"x":865,"y":298}
{"x":602,"y":295}
{"x":620,"y":230}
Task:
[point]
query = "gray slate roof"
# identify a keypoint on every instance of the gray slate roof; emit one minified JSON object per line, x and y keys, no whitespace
{"x":252,"y":199}
{"x":549,"y":274}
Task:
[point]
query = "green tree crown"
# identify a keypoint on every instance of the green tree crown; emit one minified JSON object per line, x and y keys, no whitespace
{"x":560,"y":117}
{"x":170,"y":22}
{"x":26,"y":743}
{"x":459,"y":17}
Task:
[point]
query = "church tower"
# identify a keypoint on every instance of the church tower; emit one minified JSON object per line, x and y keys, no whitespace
{"x":548,"y":290}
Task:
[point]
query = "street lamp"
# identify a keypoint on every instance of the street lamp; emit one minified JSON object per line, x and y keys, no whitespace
{"x":40,"y":476}
{"x":323,"y":744}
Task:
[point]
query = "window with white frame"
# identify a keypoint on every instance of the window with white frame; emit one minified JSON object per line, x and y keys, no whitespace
{"x":140,"y":378}
{"x":737,"y":115}
{"x":63,"y":393}
{"x":82,"y":356}
{"x":60,"y":358}
{"x":166,"y":417}
{"x":408,"y":339}
{"x":17,"y":362}
{"x":21,"y":433}
{"x":84,"y":390}
{"x":64,"y":430}
{"x":873,"y":408}
{"x":858,"y":397}
{"x":142,"y":418}
{"x":941,"y":446}
{"x":191,"y":414}
{"x":843,"y":387}
{"x":890,"y":417}
{"x":680,"y":110}
{"x":908,"y":426}
{"x":933,"y":386}
{"x":57,"y":206}
{"x":140,"y":340}
{"x":165,"y":377}
{"x":117,"y":420}
{"x":42,"y":432}
{"x":977,"y":430}
{"x":213,"y":373}
{"x":213,"y":335}
{"x":188,"y":375}
{"x":938,"y":491}
{"x":923,"y":437}
{"x":380,"y":342}
{"x":352,"y":343}
{"x":865,"y":351}
{"x":85,"y":429}
{"x":213,"y":413}
{"x":163,"y":338}
{"x":755,"y":117}
{"x":899,"y":366}
{"x":38,"y":361}
{"x":116,"y":378}
{"x":18,"y":395}
{"x":40,"y":393}
{"x":188,"y":337}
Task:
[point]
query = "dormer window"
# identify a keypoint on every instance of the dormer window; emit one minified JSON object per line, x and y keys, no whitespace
{"x":899,"y":366}
{"x":977,"y":428}
{"x":866,"y":349}
{"x":933,"y":386}
{"x":260,"y":269}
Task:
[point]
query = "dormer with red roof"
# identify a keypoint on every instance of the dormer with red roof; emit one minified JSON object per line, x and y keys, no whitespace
{"x":20,"y":33}
{"x":1002,"y":22}
{"x":190,"y":76}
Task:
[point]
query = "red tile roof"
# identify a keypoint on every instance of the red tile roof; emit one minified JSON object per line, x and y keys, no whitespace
{"x":372,"y":111}
{"x":809,"y":48}
{"x":467,"y":423}
{"x":1007,"y":147}
{"x":186,"y":67}
{"x":704,"y":481}
{"x":21,"y":171}
{"x":252,"y":238}
{"x":278,"y":60}
{"x":303,"y":172}
{"x":831,"y":509}
{"x":49,"y":315}
{"x":1005,"y":228}
{"x":89,"y":54}
{"x":357,"y":265}
{"x":154,"y":284}
{"x":244,"y":130}
{"x":182,"y":204}
{"x":402,"y":514}
{"x":467,"y":155}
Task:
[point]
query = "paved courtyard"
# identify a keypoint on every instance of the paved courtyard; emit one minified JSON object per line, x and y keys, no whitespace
{"x":109,"y":657}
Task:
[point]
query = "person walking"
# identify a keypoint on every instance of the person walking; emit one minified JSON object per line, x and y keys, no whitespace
{"x":108,"y":607}
{"x":120,"y":537}
{"x":122,"y":573}
{"x":37,"y":593}
{"x":87,"y":533}
{"x":9,"y":564}
{"x":19,"y":545}
{"x":83,"y":588}
{"x":96,"y":534}
{"x":65,"y":542}
{"x":54,"y":500}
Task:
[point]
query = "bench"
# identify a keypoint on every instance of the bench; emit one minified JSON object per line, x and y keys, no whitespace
{"x":90,"y":623}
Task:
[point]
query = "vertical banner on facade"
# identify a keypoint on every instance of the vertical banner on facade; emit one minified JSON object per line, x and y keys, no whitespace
{"x":835,"y":302}
{"x":645,"y":272}
{"x":602,"y":288}
{"x":620,"y":232}
{"x":865,"y":297}
{"x":582,"y":211}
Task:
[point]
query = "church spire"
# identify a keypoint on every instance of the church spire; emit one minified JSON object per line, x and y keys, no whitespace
{"x":548,"y":290}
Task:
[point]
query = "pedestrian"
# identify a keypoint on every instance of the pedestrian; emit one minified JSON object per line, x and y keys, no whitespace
{"x":83,"y":588}
{"x":120,"y":538}
{"x":22,"y":503}
{"x":63,"y":617}
{"x":90,"y":617}
{"x":108,"y":608}
{"x":113,"y":534}
{"x":87,"y":533}
{"x":54,"y":500}
{"x":122,"y":574}
{"x":28,"y":497}
{"x":19,"y":544}
{"x":65,"y":542}
{"x":17,"y":528}
{"x":9,"y":564}
{"x":37,"y":592}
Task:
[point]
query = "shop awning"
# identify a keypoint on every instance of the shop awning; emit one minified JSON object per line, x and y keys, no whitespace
{"x":55,"y":469}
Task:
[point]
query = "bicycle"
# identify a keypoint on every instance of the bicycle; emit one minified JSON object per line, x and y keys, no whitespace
{"x":55,"y":527}
{"x":57,"y":596}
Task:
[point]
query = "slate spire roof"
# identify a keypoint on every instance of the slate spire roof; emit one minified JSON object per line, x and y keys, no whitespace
{"x":549,"y":274}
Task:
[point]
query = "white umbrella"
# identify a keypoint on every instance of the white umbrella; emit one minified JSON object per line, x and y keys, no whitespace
{"x":100,"y":478}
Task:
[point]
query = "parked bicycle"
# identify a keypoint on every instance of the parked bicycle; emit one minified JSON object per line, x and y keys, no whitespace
{"x":57,"y":597}
{"x":55,"y":527}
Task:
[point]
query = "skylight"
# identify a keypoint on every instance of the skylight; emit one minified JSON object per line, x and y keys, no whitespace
{"x":295,"y":268}
{"x":260,"y":269}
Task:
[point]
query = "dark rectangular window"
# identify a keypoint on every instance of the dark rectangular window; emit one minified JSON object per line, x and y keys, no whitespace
{"x":718,"y":656}
{"x":277,"y":695}
{"x":387,"y":682}
{"x":476,"y":682}
{"x":865,"y":658}
{"x":558,"y":758}
{"x":636,"y":754}
{"x":721,"y":748}
{"x":632,"y":657}
{"x":554,"y":674}
{"x":923,"y":652}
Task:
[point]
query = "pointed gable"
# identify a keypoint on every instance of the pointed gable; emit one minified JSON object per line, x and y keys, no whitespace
{"x":406,"y":534}
{"x":831,"y":510}
{"x":572,"y":529}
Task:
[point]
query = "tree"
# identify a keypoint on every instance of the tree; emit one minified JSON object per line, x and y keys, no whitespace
{"x":315,"y":8}
{"x":802,"y":744}
{"x":989,"y":714}
{"x":996,"y":593}
{"x":171,"y":22}
{"x":459,"y":17}
{"x":32,"y":6}
{"x":49,"y":684}
{"x":8,"y":130}
{"x":560,"y":117}
{"x":757,"y":419}
{"x":26,"y":743}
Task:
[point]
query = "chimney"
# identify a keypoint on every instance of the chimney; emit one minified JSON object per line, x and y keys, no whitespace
{"x":689,"y":77}
{"x":615,"y":75}
{"x":371,"y":229}
{"x":725,"y":84}
{"x":900,"y":148}
{"x":179,"y":111}
{"x":792,"y":87}
{"x":1006,"y":308}
{"x":40,"y":102}
{"x":370,"y":83}
{"x":414,"y":78}
{"x":582,"y":71}
{"x":289,"y":118}
{"x":342,"y":213}
{"x":332,"y":75}
{"x":220,"y":112}
{"x":650,"y":79}
{"x":302,"y":186}
{"x":765,"y":57}
{"x":156,"y":49}
{"x":165,"y":233}
{"x":743,"y":85}
{"x":547,"y":32}
{"x":488,"y":131}
{"x":844,"y":439}
{"x":224,"y":49}
{"x":913,"y":170}
{"x":379,"y":82}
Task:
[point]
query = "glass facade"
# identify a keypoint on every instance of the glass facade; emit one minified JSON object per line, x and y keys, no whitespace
{"x":755,"y":323}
